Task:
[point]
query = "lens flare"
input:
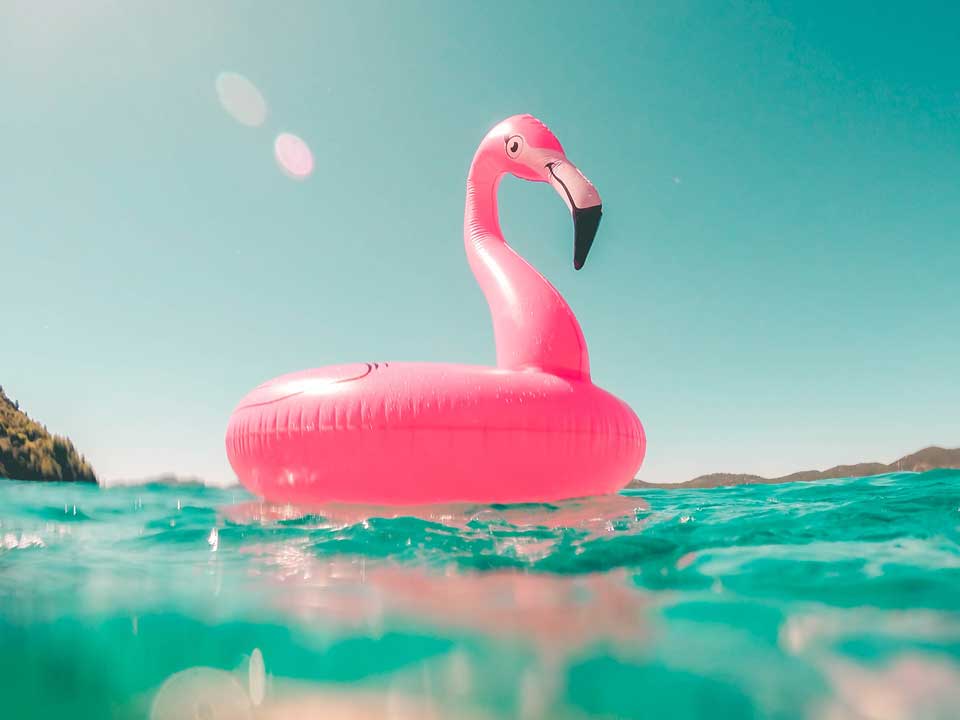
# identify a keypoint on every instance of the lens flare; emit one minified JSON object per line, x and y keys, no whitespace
{"x":201,"y":692}
{"x":293,"y":155}
{"x":241,"y":99}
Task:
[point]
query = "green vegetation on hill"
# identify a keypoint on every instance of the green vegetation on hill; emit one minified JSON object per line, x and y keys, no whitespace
{"x":29,"y":452}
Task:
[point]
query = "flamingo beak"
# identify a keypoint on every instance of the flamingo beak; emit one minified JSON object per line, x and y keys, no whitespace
{"x":585,"y":224}
{"x":584,"y":202}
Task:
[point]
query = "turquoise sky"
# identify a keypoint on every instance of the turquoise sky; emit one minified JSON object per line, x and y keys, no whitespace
{"x":774,"y":285}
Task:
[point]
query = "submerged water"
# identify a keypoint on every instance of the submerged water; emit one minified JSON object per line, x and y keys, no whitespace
{"x":835,"y":599}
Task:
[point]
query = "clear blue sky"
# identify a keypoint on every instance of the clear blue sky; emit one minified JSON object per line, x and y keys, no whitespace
{"x":774,"y":285}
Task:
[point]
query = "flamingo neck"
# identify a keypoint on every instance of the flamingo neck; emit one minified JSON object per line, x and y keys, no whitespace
{"x":533,"y":327}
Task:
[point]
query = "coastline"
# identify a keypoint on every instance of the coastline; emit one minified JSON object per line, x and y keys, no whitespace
{"x":930,"y":458}
{"x":28,"y":451}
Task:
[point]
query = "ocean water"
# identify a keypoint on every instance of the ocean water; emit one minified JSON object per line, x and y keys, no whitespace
{"x":835,"y":599}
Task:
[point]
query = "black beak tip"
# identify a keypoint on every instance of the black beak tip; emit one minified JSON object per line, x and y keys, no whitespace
{"x":585,"y":224}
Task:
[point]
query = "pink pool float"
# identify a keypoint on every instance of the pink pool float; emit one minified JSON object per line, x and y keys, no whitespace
{"x":532,"y":429}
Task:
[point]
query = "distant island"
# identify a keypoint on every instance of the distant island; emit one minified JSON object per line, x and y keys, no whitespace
{"x":931,"y":458}
{"x":168,"y":478}
{"x":29,"y":452}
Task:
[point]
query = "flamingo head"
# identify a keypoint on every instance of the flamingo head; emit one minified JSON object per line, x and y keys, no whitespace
{"x":525,"y":147}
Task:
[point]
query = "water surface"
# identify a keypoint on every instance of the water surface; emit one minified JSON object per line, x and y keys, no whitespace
{"x":834,"y":599}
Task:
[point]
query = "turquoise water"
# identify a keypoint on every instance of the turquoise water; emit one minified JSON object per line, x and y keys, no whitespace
{"x":835,"y":599}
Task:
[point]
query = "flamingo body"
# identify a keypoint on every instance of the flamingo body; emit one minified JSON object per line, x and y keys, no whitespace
{"x":409,"y":433}
{"x":534,"y":428}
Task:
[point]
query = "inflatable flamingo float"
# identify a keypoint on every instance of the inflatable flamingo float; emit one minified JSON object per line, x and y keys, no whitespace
{"x":533,"y":428}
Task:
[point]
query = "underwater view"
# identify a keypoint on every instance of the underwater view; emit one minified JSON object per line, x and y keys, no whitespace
{"x":836,"y":599}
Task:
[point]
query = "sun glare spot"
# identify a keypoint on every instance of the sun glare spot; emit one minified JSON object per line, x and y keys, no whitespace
{"x":293,"y":155}
{"x":241,"y":99}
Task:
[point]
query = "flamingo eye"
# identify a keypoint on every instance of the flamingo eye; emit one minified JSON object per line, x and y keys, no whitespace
{"x":514,"y":145}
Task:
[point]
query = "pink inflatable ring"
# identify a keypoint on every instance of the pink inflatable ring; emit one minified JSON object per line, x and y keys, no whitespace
{"x":534,"y":428}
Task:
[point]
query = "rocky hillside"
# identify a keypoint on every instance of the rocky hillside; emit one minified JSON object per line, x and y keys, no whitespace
{"x":29,"y":452}
{"x":929,"y":458}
